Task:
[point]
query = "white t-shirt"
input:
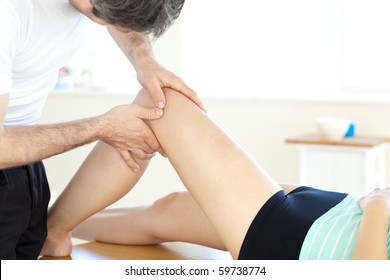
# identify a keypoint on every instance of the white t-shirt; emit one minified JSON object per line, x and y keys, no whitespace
{"x":37,"y":37}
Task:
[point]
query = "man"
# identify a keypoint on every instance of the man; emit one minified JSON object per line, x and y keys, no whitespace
{"x":36,"y":39}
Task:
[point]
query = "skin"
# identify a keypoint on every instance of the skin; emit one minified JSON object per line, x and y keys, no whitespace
{"x":151,"y":75}
{"x":371,"y":242}
{"x":217,"y":209}
{"x":229,"y":177}
{"x":212,"y":198}
{"x":175,"y":217}
{"x":121,"y":130}
{"x":122,"y":127}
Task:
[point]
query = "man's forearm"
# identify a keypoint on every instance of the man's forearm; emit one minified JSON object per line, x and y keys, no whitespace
{"x":136,"y":46}
{"x":27,"y":144}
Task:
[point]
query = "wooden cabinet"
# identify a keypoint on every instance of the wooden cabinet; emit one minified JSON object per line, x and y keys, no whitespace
{"x":351,"y":165}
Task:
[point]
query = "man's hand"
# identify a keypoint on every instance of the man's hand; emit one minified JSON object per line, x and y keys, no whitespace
{"x":128,"y":133}
{"x":153,"y":77}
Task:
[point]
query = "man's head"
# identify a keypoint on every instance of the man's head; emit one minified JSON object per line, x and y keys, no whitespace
{"x":149,"y":16}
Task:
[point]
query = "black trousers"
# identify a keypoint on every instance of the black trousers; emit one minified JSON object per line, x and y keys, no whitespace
{"x":24,"y":198}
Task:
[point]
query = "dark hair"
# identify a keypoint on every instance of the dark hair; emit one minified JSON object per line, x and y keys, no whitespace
{"x":149,"y":16}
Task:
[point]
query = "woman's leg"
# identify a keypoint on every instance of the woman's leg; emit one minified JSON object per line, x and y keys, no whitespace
{"x":226,"y":183}
{"x":102,"y":179}
{"x":176,"y":217}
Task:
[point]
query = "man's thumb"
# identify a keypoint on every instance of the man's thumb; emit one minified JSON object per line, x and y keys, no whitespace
{"x":149,"y":113}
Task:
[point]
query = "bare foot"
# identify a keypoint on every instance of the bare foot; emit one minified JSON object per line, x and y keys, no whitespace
{"x":57,"y":245}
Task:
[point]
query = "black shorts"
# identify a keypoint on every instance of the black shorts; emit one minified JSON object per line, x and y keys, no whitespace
{"x":280,"y":227}
{"x":24,"y":198}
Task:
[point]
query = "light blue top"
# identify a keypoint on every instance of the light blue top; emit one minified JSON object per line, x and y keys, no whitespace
{"x":333,"y":235}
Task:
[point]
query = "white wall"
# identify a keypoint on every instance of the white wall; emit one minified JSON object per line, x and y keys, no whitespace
{"x":288,"y":49}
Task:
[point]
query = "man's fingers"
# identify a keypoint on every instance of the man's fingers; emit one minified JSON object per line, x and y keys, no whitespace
{"x":178,"y":84}
{"x":131,"y":163}
{"x":128,"y":157}
{"x":140,"y":154}
{"x":157,"y":94}
{"x":154,"y":144}
{"x":148,"y":113}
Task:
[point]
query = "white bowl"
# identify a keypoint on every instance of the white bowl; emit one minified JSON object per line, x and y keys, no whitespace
{"x":332,"y":129}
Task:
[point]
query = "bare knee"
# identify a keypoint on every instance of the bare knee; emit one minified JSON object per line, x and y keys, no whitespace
{"x":175,"y":99}
{"x":164,"y":214}
{"x":144,"y":98}
{"x":167,"y":205}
